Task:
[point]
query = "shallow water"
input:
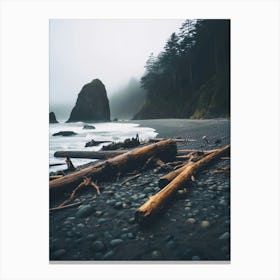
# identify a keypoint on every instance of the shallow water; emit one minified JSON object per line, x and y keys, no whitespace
{"x":108,"y":131}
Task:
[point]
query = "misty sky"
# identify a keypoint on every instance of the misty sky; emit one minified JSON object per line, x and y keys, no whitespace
{"x":112,"y":50}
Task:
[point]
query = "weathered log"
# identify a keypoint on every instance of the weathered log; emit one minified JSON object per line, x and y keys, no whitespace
{"x":157,"y":201}
{"x":89,"y":154}
{"x":109,"y":169}
{"x":155,"y":140}
{"x":56,"y":164}
{"x":53,"y":177}
{"x":109,"y":154}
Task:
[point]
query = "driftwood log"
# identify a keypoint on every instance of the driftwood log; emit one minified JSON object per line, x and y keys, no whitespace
{"x":88,"y":154}
{"x":108,"y":154}
{"x":111,"y":168}
{"x":157,"y":201}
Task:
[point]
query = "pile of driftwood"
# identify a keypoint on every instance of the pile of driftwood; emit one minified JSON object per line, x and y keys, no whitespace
{"x":182,"y":164}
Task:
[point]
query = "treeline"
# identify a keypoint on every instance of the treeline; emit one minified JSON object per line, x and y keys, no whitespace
{"x":191,"y":76}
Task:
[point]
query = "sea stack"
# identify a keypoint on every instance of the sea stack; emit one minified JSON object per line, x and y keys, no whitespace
{"x":52,"y":118}
{"x":92,"y":104}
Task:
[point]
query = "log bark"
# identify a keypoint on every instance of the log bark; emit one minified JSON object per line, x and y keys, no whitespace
{"x":88,"y":154}
{"x":157,"y":201}
{"x":109,"y":169}
{"x":109,"y":154}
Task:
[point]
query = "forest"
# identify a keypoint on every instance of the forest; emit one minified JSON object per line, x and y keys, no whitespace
{"x":190,"y":78}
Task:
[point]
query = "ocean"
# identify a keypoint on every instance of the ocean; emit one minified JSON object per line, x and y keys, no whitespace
{"x":107,"y":131}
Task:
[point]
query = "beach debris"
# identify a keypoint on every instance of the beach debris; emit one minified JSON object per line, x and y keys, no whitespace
{"x":86,"y":183}
{"x":156,"y":202}
{"x":109,"y":169}
{"x":205,"y":139}
{"x":131,"y":178}
{"x":66,"y":206}
{"x":126,"y":144}
{"x":155,"y":140}
{"x":93,"y":143}
{"x":70,"y":166}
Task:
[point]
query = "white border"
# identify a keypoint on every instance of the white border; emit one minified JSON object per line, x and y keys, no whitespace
{"x":255,"y":138}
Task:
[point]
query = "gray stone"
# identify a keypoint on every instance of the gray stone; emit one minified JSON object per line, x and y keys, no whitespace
{"x":85,"y":211}
{"x":205,"y":224}
{"x":101,"y":220}
{"x":91,"y":236}
{"x":98,"y":246}
{"x":131,"y":220}
{"x":195,"y":258}
{"x":108,"y":255}
{"x":58,"y":253}
{"x":148,"y":190}
{"x":191,"y":220}
{"x":224,"y":236}
{"x":170,"y":244}
{"x":156,"y":255}
{"x":118,"y":205}
{"x":116,"y":242}
{"x":98,"y":213}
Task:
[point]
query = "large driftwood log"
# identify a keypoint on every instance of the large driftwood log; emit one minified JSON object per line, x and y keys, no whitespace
{"x":157,"y":201}
{"x":111,"y":168}
{"x":108,"y":154}
{"x":89,"y":154}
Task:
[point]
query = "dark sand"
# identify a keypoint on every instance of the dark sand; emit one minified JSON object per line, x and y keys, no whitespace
{"x":194,"y":226}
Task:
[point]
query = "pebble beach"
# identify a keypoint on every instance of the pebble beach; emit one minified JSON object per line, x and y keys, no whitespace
{"x":194,"y":225}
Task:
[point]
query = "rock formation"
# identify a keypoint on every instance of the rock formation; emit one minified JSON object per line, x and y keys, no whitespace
{"x":92,"y":104}
{"x":52,"y":118}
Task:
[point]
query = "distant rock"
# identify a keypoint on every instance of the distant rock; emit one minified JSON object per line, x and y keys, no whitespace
{"x":92,"y":104}
{"x":52,"y":118}
{"x":65,"y":133}
{"x":87,"y":126}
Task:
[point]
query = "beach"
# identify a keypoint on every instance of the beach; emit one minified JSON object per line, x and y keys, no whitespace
{"x":194,"y":225}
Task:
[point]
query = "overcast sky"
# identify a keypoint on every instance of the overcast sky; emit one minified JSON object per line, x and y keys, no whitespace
{"x":112,"y":50}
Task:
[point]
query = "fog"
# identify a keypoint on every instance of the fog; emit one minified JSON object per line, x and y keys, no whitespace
{"x":113,"y":50}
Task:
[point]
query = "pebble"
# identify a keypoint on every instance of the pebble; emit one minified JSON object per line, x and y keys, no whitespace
{"x":98,"y":213}
{"x":108,"y":255}
{"x":80,"y":225}
{"x":224,"y":236}
{"x":107,"y":235}
{"x":118,"y":205}
{"x":91,"y":236}
{"x":170,"y":244}
{"x":191,"y":220}
{"x":101,"y":220}
{"x":98,"y":245}
{"x":156,"y":255}
{"x":189,"y":204}
{"x":223,"y":202}
{"x":147,"y":190}
{"x":187,"y":208}
{"x":205,"y":224}
{"x":220,"y":188}
{"x":59,"y":253}
{"x":85,"y":211}
{"x":131,"y":220}
{"x":116,"y":242}
{"x":195,"y":258}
